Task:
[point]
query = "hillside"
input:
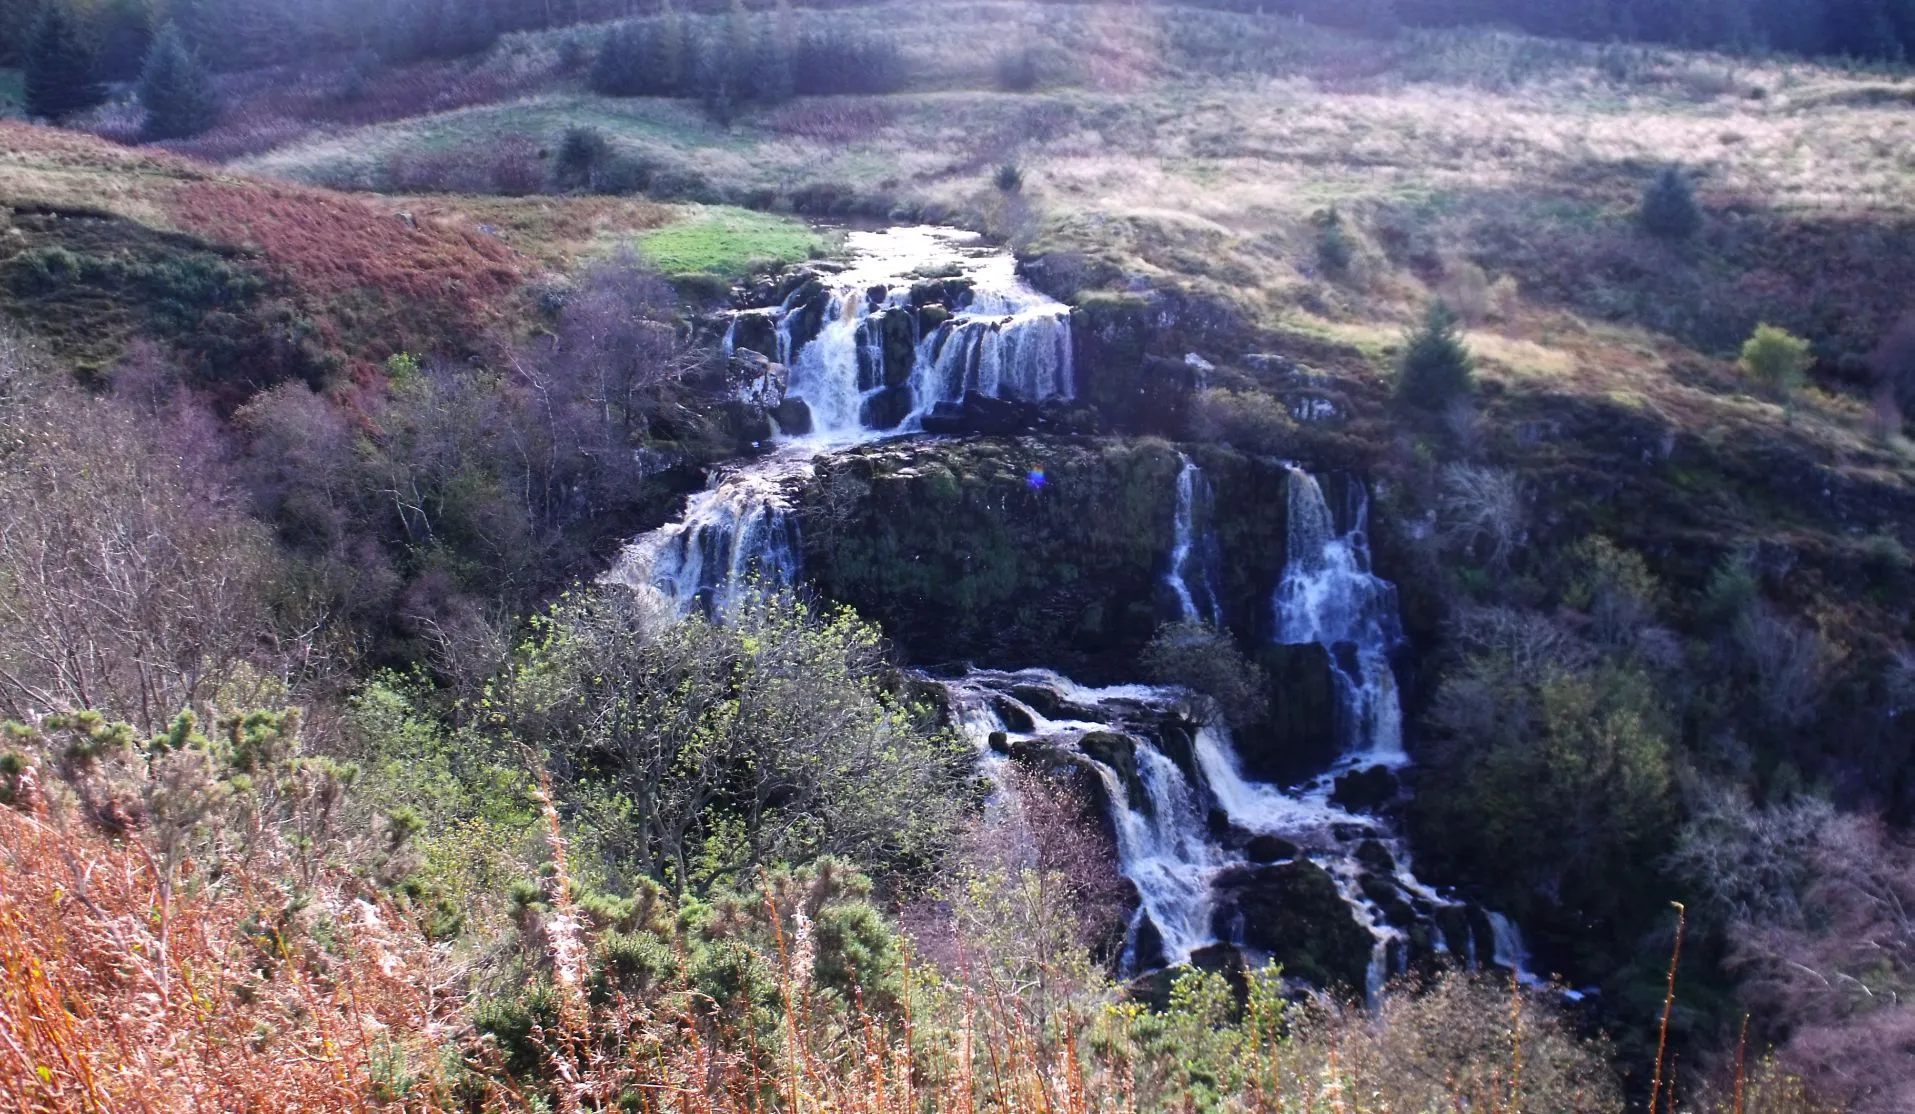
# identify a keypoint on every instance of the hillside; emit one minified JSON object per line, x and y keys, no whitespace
{"x":1272,"y":621}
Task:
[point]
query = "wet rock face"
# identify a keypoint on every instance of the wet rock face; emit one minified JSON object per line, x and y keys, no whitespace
{"x":1020,"y":552}
{"x":1293,"y":913}
{"x":1299,"y":736}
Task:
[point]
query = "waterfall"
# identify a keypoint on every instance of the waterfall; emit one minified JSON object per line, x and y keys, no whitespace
{"x":1329,"y":596}
{"x":1195,"y":562}
{"x":1007,"y":341}
{"x":739,"y":533}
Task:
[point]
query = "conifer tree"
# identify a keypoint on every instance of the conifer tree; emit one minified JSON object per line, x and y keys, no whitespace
{"x":59,"y":64}
{"x":176,"y":89}
{"x":1437,"y":367}
{"x":1669,"y":209}
{"x":126,"y":34}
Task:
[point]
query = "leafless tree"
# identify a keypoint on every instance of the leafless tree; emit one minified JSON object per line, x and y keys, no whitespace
{"x":1789,"y":664}
{"x":131,"y":581}
{"x":1481,"y":511}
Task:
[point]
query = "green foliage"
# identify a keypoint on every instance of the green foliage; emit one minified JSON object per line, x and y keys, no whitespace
{"x":1776,"y":359}
{"x":1206,"y":660}
{"x":707,"y":750}
{"x":1249,"y":419}
{"x":1551,"y":781}
{"x":59,"y":64}
{"x":176,"y":89}
{"x":1669,"y":209}
{"x":466,"y":806}
{"x":1437,"y":367}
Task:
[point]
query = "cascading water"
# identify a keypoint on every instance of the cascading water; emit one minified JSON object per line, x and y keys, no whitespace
{"x":873,"y":365}
{"x":1005,"y":341}
{"x":738,"y":532}
{"x":1329,"y":596}
{"x":1195,"y":563}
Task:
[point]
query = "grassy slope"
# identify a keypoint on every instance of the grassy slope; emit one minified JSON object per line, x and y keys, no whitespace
{"x":363,"y":276}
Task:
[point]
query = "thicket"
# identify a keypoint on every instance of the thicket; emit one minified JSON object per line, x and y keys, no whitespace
{"x":743,"y":59}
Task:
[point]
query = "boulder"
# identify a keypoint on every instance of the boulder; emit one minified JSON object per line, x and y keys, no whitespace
{"x":1375,"y":858}
{"x":793,"y":417}
{"x":1269,"y":849}
{"x":753,"y":379}
{"x":1299,"y":736}
{"x":979,"y":413}
{"x":899,"y":334}
{"x":756,"y":332}
{"x":931,"y":316}
{"x":1382,"y":892}
{"x":1119,"y":753}
{"x":1293,"y":912}
{"x":888,"y":408}
{"x":1365,"y":790}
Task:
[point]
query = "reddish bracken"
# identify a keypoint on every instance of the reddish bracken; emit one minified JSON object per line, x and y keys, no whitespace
{"x":123,"y":991}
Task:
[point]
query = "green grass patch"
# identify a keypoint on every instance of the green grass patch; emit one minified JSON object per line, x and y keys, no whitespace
{"x":728,"y":241}
{"x":13,"y":92}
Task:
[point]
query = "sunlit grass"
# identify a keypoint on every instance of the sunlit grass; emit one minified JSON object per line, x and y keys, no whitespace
{"x":726,"y":241}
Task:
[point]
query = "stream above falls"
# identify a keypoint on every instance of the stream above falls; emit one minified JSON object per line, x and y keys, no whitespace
{"x":921,"y":323}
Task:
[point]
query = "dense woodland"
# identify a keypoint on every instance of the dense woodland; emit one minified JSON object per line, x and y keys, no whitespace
{"x":334,"y":778}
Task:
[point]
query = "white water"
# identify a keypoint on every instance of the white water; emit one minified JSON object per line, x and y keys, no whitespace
{"x":1194,"y":556}
{"x":1008,"y":342}
{"x":739,"y":532}
{"x":1329,"y":596}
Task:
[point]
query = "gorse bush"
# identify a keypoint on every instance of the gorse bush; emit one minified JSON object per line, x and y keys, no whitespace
{"x":1436,"y":368}
{"x":1335,"y":253}
{"x":1669,"y":209}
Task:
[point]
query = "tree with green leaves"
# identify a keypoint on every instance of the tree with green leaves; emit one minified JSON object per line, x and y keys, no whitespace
{"x":1777,"y":359}
{"x":176,"y":89}
{"x":1669,"y":209}
{"x":1437,"y":366}
{"x":59,"y":64}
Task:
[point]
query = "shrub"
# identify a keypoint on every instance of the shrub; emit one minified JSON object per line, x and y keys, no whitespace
{"x":1009,"y":178}
{"x":1776,"y":359}
{"x":1206,"y":660}
{"x":781,"y":705}
{"x":1481,"y":512}
{"x":1334,"y":250}
{"x":1251,"y":420}
{"x":1437,"y":368}
{"x":176,"y":89}
{"x":1016,"y":70}
{"x":1669,"y":209}
{"x":582,"y":155}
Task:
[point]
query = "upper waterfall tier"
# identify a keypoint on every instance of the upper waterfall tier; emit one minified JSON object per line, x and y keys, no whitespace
{"x":920,"y":317}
